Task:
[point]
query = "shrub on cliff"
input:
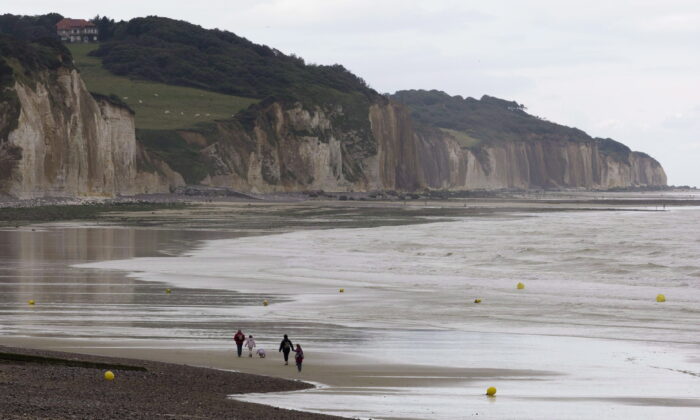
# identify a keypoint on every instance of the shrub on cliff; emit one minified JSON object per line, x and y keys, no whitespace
{"x":30,"y":28}
{"x":44,"y":53}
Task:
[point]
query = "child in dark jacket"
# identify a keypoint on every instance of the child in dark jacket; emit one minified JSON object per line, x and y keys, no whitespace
{"x":299,"y":357}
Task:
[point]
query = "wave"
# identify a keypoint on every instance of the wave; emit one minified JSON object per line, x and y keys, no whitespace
{"x":654,"y":265}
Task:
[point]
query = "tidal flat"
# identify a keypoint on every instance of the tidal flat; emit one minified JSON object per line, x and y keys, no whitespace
{"x":584,"y":338}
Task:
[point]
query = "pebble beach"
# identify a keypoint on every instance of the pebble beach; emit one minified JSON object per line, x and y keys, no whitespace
{"x":37,"y":384}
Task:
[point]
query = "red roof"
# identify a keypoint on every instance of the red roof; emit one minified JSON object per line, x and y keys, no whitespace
{"x":74,"y":23}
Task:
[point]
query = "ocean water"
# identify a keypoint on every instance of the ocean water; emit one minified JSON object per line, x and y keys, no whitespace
{"x":585,"y":338}
{"x":587,"y":320}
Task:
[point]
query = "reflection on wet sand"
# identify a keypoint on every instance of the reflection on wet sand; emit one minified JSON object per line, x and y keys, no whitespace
{"x":70,"y":302}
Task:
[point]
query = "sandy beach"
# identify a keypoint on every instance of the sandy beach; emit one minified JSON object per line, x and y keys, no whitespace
{"x":53,"y":385}
{"x":327,"y":369}
{"x":405,"y":340}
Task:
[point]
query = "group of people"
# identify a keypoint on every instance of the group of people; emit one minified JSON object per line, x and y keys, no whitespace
{"x":286,"y":347}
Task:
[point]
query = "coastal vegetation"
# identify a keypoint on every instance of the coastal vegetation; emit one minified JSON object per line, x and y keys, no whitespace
{"x":487,"y":119}
{"x":30,"y":28}
{"x":181,"y":155}
{"x":473,"y":122}
{"x":180,"y":53}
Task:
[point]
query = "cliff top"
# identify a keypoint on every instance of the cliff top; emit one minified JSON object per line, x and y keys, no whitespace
{"x":489,"y":119}
{"x":25,"y":57}
{"x":485,"y":119}
{"x":20,"y":61}
{"x":180,"y":53}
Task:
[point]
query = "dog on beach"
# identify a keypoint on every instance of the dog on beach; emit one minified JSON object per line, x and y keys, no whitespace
{"x":261,"y":353}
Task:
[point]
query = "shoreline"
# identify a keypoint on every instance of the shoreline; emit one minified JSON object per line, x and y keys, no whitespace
{"x":332,"y":370}
{"x":159,"y":210}
{"x":349,"y":374}
{"x":58,"y":385}
{"x":199,"y":194}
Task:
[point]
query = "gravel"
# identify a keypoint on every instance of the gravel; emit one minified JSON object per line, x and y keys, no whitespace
{"x":38,"y":384}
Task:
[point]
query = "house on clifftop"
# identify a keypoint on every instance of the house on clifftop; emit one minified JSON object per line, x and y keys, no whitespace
{"x":76,"y":30}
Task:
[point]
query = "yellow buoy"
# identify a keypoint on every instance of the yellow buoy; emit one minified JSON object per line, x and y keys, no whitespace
{"x":491,"y":391}
{"x":342,"y":290}
{"x":31,"y":302}
{"x":660,"y":298}
{"x":168,"y":291}
{"x":520,"y":286}
{"x":109,"y":375}
{"x":265,"y":302}
{"x":477,"y":300}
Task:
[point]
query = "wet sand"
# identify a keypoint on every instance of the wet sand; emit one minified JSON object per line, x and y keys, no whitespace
{"x":340,"y":371}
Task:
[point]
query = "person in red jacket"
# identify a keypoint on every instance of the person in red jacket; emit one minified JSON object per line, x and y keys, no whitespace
{"x":239,"y":338}
{"x":299,"y":357}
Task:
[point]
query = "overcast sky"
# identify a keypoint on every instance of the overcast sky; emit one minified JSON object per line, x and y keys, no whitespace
{"x":629,"y":70}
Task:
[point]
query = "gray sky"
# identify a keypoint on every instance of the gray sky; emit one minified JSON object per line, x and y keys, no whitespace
{"x":629,"y":70}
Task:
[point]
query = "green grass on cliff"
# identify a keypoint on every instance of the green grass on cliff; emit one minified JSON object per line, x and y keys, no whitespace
{"x":464,"y":139}
{"x":158,"y":106}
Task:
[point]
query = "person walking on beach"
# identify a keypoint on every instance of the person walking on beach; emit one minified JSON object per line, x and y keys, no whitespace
{"x":239,"y":338}
{"x":285,"y":347}
{"x":250,"y":343}
{"x":299,"y":357}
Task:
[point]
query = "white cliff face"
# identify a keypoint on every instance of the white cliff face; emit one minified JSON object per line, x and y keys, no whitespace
{"x":295,"y":149}
{"x":410,"y":160}
{"x":71,"y":145}
{"x":526,"y":165}
{"x":291,"y":149}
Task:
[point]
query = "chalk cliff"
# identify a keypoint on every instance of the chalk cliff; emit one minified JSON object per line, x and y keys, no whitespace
{"x":286,"y":147}
{"x":289,"y":148}
{"x":56,"y":139}
{"x":492,"y":143}
{"x":436,"y":159}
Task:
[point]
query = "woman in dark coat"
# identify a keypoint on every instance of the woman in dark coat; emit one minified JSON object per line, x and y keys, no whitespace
{"x":239,"y":338}
{"x":285,"y":347}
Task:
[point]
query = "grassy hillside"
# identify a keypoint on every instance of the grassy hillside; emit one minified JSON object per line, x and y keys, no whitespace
{"x":158,"y":106}
{"x":180,"y":53}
